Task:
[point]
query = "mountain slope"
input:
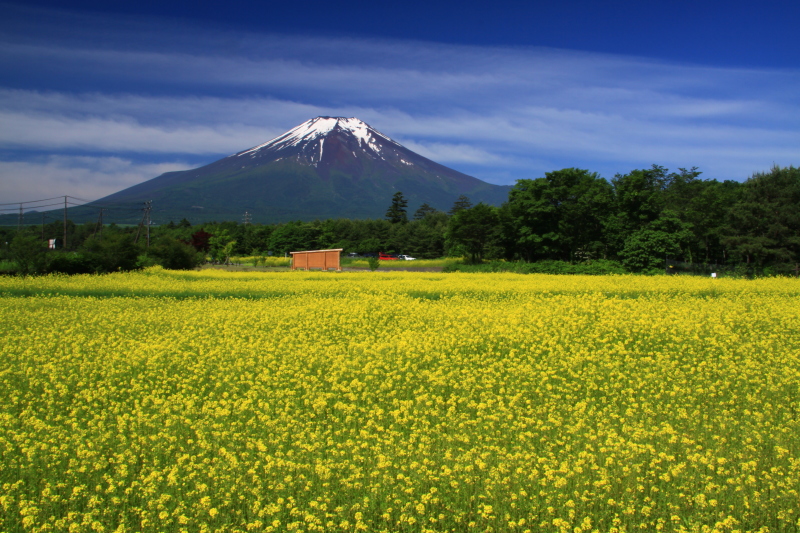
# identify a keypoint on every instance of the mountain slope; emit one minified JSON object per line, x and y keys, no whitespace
{"x":327,"y":167}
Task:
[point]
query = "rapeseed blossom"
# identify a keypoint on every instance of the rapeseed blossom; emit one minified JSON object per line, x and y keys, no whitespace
{"x":390,"y":401}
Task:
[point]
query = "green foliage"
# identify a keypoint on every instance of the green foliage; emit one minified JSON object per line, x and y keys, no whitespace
{"x":765,"y":223}
{"x":69,"y":263}
{"x":174,"y":255}
{"x":396,"y":214}
{"x":28,"y":252}
{"x":292,"y":237}
{"x":475,"y":231}
{"x":461,"y":203}
{"x":374,"y":263}
{"x":597,"y":267}
{"x":560,"y":216}
{"x":639,"y":198}
{"x":7,"y":267}
{"x":111,"y":253}
{"x":648,"y":248}
{"x":423,"y":211}
{"x":221,"y":246}
{"x":569,"y":215}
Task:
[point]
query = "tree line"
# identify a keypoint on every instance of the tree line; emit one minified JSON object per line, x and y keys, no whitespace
{"x":640,"y":220}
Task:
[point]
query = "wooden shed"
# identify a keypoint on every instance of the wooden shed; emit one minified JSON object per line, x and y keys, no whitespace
{"x":322,"y":259}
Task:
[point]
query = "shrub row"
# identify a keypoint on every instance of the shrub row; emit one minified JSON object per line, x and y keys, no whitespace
{"x":597,"y":267}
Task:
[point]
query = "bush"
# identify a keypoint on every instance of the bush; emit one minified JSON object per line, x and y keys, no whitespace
{"x":28,"y":252}
{"x":111,"y":253}
{"x":374,"y":263}
{"x":69,"y":263}
{"x":597,"y":267}
{"x":174,"y":255}
{"x":7,"y":267}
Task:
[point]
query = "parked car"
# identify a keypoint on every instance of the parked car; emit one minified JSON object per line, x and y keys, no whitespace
{"x":407,"y":257}
{"x":387,"y":257}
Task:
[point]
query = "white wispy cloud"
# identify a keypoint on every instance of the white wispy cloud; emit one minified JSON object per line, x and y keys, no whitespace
{"x":92,"y":177}
{"x":454,"y":153}
{"x":146,"y":91}
{"x":121,"y":135}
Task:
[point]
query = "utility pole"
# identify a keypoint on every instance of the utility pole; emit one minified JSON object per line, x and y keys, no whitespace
{"x":19,"y":223}
{"x":65,"y":223}
{"x":99,"y":227}
{"x":149,"y":208}
{"x":145,"y":217}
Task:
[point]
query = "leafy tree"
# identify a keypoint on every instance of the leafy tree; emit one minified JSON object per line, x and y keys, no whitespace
{"x":29,"y":253}
{"x":765,"y":222}
{"x":291,"y":237}
{"x":460,"y":204}
{"x":638,"y":199}
{"x":704,"y":206}
{"x":260,"y":237}
{"x":200,"y":240}
{"x":475,"y":230}
{"x":425,"y":239}
{"x":221,"y":246}
{"x":69,"y":263}
{"x":248,"y":239}
{"x":397,"y":211}
{"x":175,"y":255}
{"x":559,"y":216}
{"x":681,"y":189}
{"x":647,"y":248}
{"x":114,"y":252}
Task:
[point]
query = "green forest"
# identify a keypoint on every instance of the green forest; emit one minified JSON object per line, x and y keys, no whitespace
{"x":648,"y":220}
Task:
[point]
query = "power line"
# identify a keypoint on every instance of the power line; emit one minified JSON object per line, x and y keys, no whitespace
{"x":35,"y":201}
{"x":12,"y":209}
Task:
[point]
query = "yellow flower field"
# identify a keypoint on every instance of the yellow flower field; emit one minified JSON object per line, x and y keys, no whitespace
{"x":396,"y":401}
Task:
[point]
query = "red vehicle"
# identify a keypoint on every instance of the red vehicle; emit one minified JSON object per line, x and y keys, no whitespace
{"x":387,"y":257}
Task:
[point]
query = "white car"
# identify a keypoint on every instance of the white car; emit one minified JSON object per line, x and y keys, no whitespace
{"x":407,"y":257}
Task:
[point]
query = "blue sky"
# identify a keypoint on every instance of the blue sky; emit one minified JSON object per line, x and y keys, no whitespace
{"x":98,"y":96}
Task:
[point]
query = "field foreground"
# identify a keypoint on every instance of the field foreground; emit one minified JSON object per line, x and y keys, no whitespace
{"x":377,"y":401}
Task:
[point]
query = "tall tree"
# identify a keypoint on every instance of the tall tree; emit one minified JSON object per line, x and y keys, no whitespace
{"x":27,"y":250}
{"x":114,"y":252}
{"x":647,"y":248}
{"x":423,"y":211}
{"x":704,"y":205}
{"x":559,"y":216}
{"x":459,"y":205}
{"x":765,"y":223}
{"x":427,"y":239}
{"x":396,"y":214}
{"x":638,"y":200}
{"x":475,"y":230}
{"x":292,"y":237}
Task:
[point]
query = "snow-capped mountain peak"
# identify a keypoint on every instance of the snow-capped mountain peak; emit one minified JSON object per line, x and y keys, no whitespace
{"x":319,"y":128}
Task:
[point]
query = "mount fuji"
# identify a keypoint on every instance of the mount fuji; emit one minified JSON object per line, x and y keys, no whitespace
{"x":327,"y":167}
